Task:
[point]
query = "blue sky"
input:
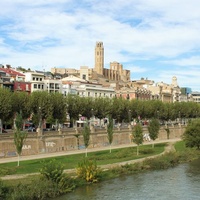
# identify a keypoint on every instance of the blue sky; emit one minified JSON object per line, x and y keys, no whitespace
{"x":154,"y":39}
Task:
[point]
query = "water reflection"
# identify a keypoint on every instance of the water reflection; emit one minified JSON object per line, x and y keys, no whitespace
{"x":181,"y":182}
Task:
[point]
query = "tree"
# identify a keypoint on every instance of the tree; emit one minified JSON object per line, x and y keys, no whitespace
{"x":6,"y":111}
{"x":21,"y":104}
{"x":153,"y":129}
{"x":86,"y":137}
{"x":191,"y":135}
{"x":19,"y":135}
{"x":57,"y":109}
{"x":110,"y":131}
{"x":137,"y":136}
{"x":41,"y":107}
{"x":74,"y":106}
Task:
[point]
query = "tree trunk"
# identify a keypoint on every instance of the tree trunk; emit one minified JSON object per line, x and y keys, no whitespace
{"x":86,"y":152}
{"x":18,"y":160}
{"x":1,"y":126}
{"x":137,"y":150}
{"x":110,"y":148}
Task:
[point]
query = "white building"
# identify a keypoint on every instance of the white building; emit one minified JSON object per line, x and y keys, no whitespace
{"x":53,"y":85}
{"x":83,"y":88}
{"x":36,"y":80}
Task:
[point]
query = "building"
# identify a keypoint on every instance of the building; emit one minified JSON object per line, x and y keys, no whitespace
{"x":36,"y":80}
{"x":116,"y":71}
{"x":83,"y":88}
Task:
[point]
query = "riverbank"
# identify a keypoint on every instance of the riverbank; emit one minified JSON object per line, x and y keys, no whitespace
{"x":168,"y":148}
{"x":39,"y":187}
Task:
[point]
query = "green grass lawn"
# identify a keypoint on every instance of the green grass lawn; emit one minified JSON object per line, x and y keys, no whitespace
{"x":102,"y":158}
{"x":180,"y":146}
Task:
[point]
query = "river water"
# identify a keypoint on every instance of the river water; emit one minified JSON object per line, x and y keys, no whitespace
{"x":181,"y":182}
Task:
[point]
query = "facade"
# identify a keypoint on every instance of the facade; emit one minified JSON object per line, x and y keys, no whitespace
{"x":53,"y":85}
{"x":195,"y":97}
{"x":22,"y":86}
{"x":36,"y":80}
{"x":83,"y":88}
{"x":139,"y":93}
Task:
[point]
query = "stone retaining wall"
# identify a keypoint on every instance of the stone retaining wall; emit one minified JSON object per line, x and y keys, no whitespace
{"x":57,"y":142}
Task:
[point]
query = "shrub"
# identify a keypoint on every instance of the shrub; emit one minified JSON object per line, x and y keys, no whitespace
{"x":3,"y":190}
{"x":88,"y":170}
{"x":39,"y":189}
{"x":52,"y":170}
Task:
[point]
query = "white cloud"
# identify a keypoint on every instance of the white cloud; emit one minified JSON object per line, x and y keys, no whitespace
{"x":64,"y":32}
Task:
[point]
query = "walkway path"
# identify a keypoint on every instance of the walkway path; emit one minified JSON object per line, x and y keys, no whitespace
{"x":170,"y":147}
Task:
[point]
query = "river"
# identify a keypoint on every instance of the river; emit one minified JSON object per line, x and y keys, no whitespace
{"x":181,"y":182}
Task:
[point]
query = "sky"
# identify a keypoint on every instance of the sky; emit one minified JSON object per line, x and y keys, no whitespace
{"x":155,"y":39}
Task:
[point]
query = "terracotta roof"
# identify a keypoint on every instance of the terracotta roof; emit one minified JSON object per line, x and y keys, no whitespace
{"x":11,"y":72}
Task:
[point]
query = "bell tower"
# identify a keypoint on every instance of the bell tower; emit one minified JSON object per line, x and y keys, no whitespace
{"x":99,"y":58}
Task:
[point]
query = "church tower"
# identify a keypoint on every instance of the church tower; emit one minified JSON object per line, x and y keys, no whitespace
{"x":99,"y":58}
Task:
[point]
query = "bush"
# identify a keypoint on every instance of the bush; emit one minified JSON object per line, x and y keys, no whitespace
{"x":39,"y":189}
{"x":163,"y":162}
{"x":3,"y":190}
{"x":52,"y":170}
{"x":88,"y":170}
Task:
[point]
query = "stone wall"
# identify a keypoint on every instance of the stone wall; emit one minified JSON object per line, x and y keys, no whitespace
{"x":66,"y":141}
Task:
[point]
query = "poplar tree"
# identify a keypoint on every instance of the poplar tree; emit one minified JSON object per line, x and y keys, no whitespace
{"x":86,"y":137}
{"x":19,"y":135}
{"x":153,"y":129}
{"x":110,"y":131}
{"x":137,"y":136}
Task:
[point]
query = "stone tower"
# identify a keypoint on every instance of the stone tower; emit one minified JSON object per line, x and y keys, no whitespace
{"x":99,"y":58}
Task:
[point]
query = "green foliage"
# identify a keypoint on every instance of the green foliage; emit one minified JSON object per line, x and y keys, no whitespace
{"x":191,"y":135}
{"x":153,"y":128}
{"x":137,"y":134}
{"x":86,"y":135}
{"x":6,"y":110}
{"x":7,"y":170}
{"x":165,"y":161}
{"x":19,"y":135}
{"x":110,"y":131}
{"x":3,"y":190}
{"x":147,"y":151}
{"x":19,"y":139}
{"x":52,"y":170}
{"x":88,"y":170}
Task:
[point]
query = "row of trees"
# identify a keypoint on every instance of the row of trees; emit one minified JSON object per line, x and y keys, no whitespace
{"x":53,"y":107}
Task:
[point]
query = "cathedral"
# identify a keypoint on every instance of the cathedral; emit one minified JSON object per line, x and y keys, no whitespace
{"x":116,"y":73}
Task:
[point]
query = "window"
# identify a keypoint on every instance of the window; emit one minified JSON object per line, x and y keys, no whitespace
{"x":84,"y":76}
{"x":35,"y":86}
{"x":88,"y":94}
{"x":39,"y":86}
{"x":33,"y":78}
{"x":36,"y":79}
{"x":40,"y":79}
